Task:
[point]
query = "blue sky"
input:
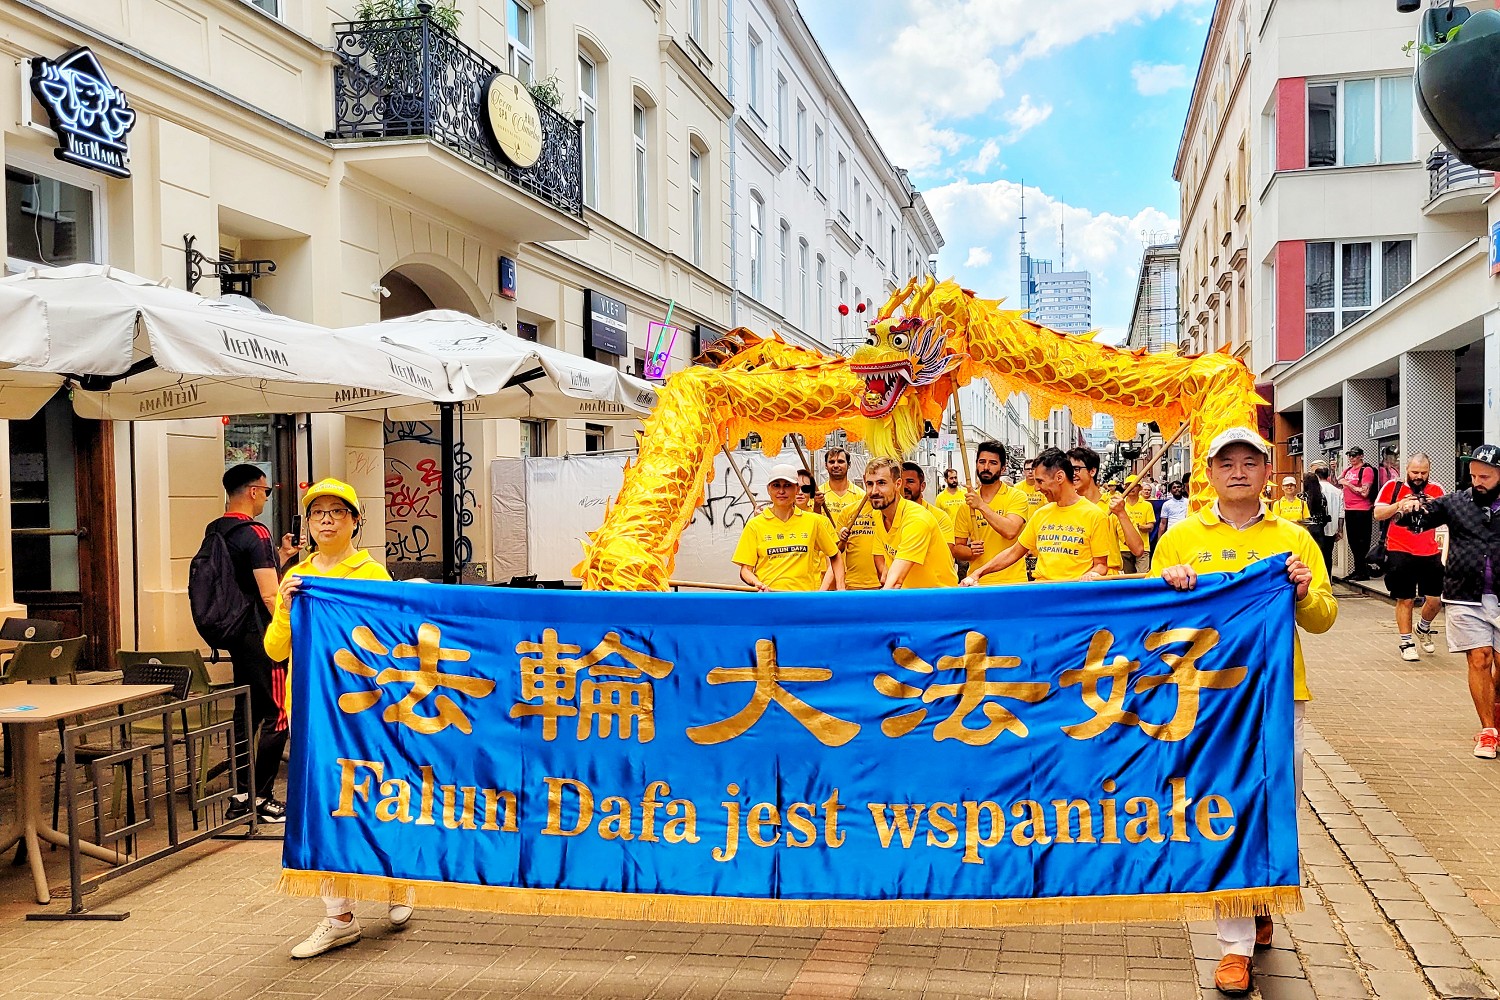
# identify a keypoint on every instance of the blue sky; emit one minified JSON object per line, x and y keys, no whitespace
{"x":1081,"y":99}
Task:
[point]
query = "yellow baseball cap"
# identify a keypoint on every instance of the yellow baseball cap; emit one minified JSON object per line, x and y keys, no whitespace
{"x":331,"y":488}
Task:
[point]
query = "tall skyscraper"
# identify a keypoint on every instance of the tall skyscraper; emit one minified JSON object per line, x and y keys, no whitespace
{"x":1062,"y":300}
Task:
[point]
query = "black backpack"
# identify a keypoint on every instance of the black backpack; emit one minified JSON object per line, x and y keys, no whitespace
{"x":220,"y":609}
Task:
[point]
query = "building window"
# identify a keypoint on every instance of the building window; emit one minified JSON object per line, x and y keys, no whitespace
{"x":642,"y":172}
{"x":801,"y":135}
{"x":533,"y":438}
{"x":695,"y":177}
{"x":854,"y":208}
{"x":595,"y":437}
{"x":843,"y":182}
{"x":822,"y":277}
{"x":893,"y":248}
{"x":757,"y":246}
{"x":1356,"y":122}
{"x":520,"y":42}
{"x":695,"y":20}
{"x":867,"y":231}
{"x":784,"y":263}
{"x":1345,"y":281}
{"x":272,"y":7}
{"x":757,"y":72}
{"x":843,"y":316}
{"x":818,"y":159}
{"x":802,"y":253}
{"x":783,"y":138}
{"x":588,"y":111}
{"x":527,"y":331}
{"x":48,"y":221}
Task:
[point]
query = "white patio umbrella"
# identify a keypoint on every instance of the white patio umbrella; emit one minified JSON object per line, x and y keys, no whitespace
{"x":511,"y":377}
{"x":134,"y":349}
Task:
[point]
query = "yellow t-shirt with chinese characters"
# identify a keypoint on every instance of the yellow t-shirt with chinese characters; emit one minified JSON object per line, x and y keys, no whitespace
{"x":859,"y":554}
{"x":1143,"y":516}
{"x":1208,"y":545}
{"x":837,"y":503}
{"x":1067,"y":540}
{"x":1007,"y":500}
{"x":1112,"y":526}
{"x":916,"y":535}
{"x":1291,"y":508}
{"x":951,"y":504}
{"x":790,"y":554}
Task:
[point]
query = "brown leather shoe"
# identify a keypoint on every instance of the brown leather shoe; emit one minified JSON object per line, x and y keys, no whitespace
{"x":1232,"y":977}
{"x":1264,"y":929}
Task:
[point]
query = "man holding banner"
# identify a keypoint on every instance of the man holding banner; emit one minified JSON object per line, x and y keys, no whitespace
{"x":782,"y":547}
{"x":911,"y":549}
{"x":1236,"y":531}
{"x":1069,"y":537}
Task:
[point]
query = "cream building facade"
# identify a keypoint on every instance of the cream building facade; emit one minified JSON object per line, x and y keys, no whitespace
{"x":279,"y":130}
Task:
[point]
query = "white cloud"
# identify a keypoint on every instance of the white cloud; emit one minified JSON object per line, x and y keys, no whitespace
{"x":982,"y":216}
{"x":981,"y":161}
{"x":917,"y":67}
{"x":1154,"y":79}
{"x":1026,"y":116}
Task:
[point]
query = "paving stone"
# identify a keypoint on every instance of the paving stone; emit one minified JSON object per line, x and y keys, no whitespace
{"x":1453,"y":984}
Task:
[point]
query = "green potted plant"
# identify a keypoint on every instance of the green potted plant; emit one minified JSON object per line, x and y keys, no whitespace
{"x":396,"y":57}
{"x":548,"y":91}
{"x":1458,"y":82}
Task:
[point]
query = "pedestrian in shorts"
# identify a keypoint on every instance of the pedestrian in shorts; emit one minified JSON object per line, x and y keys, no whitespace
{"x":1470,"y":578}
{"x":1415,"y":567}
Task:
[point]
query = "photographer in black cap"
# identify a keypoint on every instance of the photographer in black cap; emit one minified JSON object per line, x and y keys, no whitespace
{"x":1471,"y":578}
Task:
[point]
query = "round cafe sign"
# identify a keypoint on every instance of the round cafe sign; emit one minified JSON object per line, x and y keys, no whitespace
{"x":514,"y":123}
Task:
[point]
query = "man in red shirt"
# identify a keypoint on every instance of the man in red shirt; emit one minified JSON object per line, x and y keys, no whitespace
{"x":1359,"y":484}
{"x":1415,"y":566}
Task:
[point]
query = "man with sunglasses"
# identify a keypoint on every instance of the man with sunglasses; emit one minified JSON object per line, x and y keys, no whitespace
{"x":256,"y":565}
{"x":1471,"y":578}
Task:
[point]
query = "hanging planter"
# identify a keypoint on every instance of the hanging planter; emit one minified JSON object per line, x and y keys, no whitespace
{"x":1458,"y":82}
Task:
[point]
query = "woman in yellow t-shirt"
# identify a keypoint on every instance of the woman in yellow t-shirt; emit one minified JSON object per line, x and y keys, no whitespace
{"x":333,"y":519}
{"x":1289,"y":506}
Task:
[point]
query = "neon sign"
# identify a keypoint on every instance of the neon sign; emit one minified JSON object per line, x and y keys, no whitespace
{"x":89,"y":114}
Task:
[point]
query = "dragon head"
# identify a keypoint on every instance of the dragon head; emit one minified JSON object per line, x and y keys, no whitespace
{"x":900,"y":362}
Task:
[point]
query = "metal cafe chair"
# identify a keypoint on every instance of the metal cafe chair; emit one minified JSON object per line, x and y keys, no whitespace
{"x":205,"y":715}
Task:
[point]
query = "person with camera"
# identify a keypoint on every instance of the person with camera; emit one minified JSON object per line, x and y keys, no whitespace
{"x":1471,"y":578}
{"x":783,"y":547}
{"x":1415,"y":565}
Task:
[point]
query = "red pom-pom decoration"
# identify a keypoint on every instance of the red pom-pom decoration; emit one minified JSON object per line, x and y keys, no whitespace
{"x":843,"y":309}
{"x":860,"y":308}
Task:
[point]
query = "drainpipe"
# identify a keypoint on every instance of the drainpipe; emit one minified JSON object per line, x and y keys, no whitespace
{"x":734,"y":183}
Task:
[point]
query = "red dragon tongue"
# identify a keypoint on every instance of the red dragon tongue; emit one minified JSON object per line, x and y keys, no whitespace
{"x":877,"y":386}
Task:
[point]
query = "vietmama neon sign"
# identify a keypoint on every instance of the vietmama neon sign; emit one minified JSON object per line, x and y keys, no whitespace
{"x":89,"y":114}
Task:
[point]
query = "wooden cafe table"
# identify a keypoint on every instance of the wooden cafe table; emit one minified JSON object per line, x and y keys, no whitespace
{"x":24,"y":710}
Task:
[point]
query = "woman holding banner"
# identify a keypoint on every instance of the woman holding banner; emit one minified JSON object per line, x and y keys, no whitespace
{"x":333,"y":520}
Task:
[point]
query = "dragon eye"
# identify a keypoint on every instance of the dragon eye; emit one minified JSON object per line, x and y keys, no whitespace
{"x":870,"y":339}
{"x":899,"y":341}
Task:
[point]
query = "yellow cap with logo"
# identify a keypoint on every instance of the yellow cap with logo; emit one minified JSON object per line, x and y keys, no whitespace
{"x":331,"y":488}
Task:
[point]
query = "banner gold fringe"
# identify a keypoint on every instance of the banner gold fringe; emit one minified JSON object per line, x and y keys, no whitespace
{"x":798,"y":912}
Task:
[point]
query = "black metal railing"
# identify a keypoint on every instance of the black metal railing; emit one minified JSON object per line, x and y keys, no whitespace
{"x":1445,"y":172}
{"x":408,"y":77}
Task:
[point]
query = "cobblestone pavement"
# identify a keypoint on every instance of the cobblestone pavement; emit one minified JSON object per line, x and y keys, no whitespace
{"x":1401,"y":881}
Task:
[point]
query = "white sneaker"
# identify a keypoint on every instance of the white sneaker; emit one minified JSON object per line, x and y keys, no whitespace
{"x":1409,"y":652}
{"x":1425,"y":639}
{"x":330,"y":934}
{"x":399,"y":914}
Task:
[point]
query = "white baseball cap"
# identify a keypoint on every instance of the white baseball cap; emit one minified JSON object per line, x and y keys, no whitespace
{"x":785,"y":471}
{"x":1239,"y":435}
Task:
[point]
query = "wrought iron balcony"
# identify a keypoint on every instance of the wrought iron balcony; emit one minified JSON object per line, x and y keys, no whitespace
{"x":409,"y":78}
{"x":1445,"y":173}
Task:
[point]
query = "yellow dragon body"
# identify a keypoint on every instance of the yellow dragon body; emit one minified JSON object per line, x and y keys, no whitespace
{"x":905,"y":373}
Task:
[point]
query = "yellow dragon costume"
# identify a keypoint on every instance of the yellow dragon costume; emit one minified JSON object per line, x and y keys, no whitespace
{"x":909,"y":367}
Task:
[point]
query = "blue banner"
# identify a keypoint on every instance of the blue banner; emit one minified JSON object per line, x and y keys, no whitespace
{"x":1045,"y":752}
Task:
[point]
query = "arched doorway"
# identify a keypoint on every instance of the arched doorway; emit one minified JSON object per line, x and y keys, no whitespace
{"x":413,"y":452}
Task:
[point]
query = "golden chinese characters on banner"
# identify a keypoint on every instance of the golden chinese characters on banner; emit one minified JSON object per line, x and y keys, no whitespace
{"x":428,"y":652}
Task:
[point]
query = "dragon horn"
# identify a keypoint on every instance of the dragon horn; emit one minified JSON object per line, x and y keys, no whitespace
{"x":928,"y":287}
{"x":896,"y":300}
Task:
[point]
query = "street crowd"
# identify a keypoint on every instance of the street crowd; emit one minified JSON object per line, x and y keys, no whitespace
{"x":1436,"y":550}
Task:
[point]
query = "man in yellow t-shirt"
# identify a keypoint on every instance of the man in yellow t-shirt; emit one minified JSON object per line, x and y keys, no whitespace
{"x":1226,"y":537}
{"x":911,"y":550}
{"x":1289,"y":506}
{"x":998,"y":511}
{"x":914,"y":488}
{"x":950,"y":497}
{"x":1069,"y":536}
{"x":783,"y":547}
{"x":857,"y":535}
{"x":1126,"y":539}
{"x":838,"y":493}
{"x":1034,"y":499}
{"x":1143,"y":516}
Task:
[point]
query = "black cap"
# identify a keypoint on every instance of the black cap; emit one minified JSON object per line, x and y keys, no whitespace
{"x":1486,"y":453}
{"x":1356,"y":450}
